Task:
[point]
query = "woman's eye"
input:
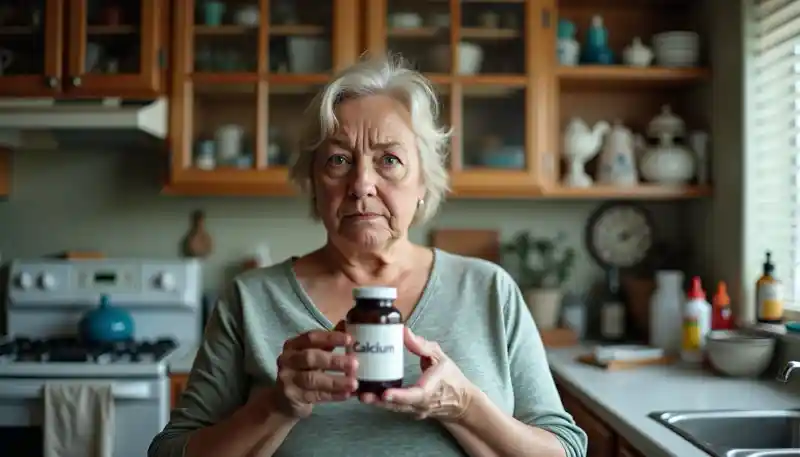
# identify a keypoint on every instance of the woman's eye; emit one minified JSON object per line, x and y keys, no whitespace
{"x":390,"y":161}
{"x":337,"y":160}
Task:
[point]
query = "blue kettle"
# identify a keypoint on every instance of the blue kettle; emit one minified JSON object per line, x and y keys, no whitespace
{"x":106,"y":323}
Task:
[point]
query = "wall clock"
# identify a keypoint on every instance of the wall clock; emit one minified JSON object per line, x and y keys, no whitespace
{"x":620,"y":235}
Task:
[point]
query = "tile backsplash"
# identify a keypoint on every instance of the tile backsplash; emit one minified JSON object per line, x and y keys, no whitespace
{"x":109,"y":201}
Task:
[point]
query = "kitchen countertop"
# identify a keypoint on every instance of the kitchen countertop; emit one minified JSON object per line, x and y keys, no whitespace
{"x":623,"y":399}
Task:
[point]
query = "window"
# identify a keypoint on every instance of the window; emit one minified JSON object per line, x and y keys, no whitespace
{"x":772,"y":180}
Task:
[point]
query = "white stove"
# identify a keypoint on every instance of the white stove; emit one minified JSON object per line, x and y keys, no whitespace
{"x":46,"y":298}
{"x":71,"y":357}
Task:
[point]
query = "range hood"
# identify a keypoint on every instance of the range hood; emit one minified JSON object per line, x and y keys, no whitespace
{"x":85,"y":124}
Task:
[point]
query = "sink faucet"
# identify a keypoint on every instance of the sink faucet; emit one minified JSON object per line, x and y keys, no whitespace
{"x":786,"y":373}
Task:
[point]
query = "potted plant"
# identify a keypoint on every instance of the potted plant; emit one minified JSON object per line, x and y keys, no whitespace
{"x":542,"y":266}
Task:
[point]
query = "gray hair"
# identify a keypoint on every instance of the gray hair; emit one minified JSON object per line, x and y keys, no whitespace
{"x":391,"y":76}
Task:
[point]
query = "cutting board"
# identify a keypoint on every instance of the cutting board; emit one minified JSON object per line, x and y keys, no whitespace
{"x":483,"y":244}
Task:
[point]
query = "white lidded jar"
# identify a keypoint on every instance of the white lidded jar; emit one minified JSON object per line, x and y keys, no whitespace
{"x":666,"y":311}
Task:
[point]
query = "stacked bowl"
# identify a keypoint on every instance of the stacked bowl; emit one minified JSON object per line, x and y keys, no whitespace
{"x":677,"y":49}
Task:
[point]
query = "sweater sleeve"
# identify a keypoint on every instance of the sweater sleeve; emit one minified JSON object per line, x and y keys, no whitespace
{"x":536,"y":400}
{"x":217,"y":384}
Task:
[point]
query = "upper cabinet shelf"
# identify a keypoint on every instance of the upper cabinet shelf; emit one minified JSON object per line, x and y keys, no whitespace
{"x":649,"y":77}
{"x":82,"y":48}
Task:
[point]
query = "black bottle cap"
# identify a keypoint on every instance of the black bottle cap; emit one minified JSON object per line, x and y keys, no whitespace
{"x":769,"y":268}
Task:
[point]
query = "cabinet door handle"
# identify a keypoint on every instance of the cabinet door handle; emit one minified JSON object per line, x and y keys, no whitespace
{"x":52,"y":82}
{"x":76,"y":81}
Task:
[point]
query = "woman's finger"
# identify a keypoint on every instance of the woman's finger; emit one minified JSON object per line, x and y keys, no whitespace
{"x":318,"y":396}
{"x":319,"y":339}
{"x":414,"y":395}
{"x":416,"y":344}
{"x":407,"y":409}
{"x":317,"y":380}
{"x":318,"y":359}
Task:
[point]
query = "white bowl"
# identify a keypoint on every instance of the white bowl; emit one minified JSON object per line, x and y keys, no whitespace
{"x":405,"y":20}
{"x":677,"y":37}
{"x":309,"y":55}
{"x":677,"y":58}
{"x":470,"y":57}
{"x":739,"y":354}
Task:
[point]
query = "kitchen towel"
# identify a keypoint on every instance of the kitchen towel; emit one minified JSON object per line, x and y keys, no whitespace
{"x":78,"y":420}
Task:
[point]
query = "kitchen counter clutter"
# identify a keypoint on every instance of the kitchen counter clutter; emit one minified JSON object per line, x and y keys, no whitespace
{"x":624,"y":399}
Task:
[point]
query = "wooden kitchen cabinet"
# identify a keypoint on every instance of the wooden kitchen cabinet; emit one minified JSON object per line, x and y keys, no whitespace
{"x":603,"y":440}
{"x":177,"y":383}
{"x":626,"y":450}
{"x":496,"y":102}
{"x":507,"y":114}
{"x":5,"y":171}
{"x":498,"y":108}
{"x":630,"y":95}
{"x":82,"y":48}
{"x":235,"y":79}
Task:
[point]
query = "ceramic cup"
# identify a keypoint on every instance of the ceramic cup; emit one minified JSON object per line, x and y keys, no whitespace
{"x":213,"y":12}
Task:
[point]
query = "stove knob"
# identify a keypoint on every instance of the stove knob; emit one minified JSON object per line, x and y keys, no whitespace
{"x":47,"y":281}
{"x":166,"y":281}
{"x":25,"y":280}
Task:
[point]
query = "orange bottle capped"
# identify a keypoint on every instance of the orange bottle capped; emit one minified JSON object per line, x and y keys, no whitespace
{"x":696,"y":291}
{"x":721,"y":298}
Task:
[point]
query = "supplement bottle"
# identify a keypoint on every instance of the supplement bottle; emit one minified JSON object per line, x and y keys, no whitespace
{"x":377,"y":330}
{"x":769,"y":295}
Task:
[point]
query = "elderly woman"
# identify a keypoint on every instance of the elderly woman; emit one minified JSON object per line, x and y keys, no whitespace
{"x":268,"y":381}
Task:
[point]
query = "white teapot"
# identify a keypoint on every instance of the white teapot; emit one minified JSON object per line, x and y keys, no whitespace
{"x":666,"y":163}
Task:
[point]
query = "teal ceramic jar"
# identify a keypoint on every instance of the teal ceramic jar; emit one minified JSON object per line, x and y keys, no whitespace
{"x":106,"y":323}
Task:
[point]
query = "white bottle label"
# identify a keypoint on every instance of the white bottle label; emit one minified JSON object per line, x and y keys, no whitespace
{"x":379,"y":350}
{"x":770,"y":301}
{"x":612,"y":320}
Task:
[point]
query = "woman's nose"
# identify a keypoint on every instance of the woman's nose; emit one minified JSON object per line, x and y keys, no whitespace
{"x":362,"y":180}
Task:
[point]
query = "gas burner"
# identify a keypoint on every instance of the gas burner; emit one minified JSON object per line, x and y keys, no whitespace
{"x":73,"y":350}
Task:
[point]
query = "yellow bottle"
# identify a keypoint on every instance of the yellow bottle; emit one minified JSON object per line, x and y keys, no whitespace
{"x":769,"y":295}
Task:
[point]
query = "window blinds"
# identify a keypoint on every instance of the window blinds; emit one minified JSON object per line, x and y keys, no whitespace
{"x":773,"y":120}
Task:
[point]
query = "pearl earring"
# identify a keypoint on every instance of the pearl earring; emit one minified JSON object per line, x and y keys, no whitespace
{"x":420,"y":202}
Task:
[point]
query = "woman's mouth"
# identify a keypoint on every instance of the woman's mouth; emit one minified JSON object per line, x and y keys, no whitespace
{"x":363,"y":216}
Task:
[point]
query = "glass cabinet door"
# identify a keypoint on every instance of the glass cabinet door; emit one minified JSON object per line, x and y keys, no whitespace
{"x":115,"y":47}
{"x":301,"y":37}
{"x":246,"y":72}
{"x":31,"y":33}
{"x":479,"y":54}
{"x":227,"y":42}
{"x":253,"y":65}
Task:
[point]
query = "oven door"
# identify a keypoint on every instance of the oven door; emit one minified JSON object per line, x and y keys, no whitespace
{"x":141,"y":409}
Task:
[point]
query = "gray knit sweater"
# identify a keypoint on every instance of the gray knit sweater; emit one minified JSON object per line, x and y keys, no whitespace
{"x":472,"y":308}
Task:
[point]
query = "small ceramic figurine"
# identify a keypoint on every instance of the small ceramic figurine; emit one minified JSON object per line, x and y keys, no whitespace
{"x":581,"y":144}
{"x":617,"y":162}
{"x":637,"y":54}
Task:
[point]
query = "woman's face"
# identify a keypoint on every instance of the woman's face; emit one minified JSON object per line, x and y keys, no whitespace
{"x":367,"y":178}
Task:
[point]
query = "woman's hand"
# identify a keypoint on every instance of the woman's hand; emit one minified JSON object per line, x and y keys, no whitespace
{"x":442,"y":392}
{"x":303,"y":371}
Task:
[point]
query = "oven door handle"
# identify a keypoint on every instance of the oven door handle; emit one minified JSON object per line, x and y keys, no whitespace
{"x":121,"y":390}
